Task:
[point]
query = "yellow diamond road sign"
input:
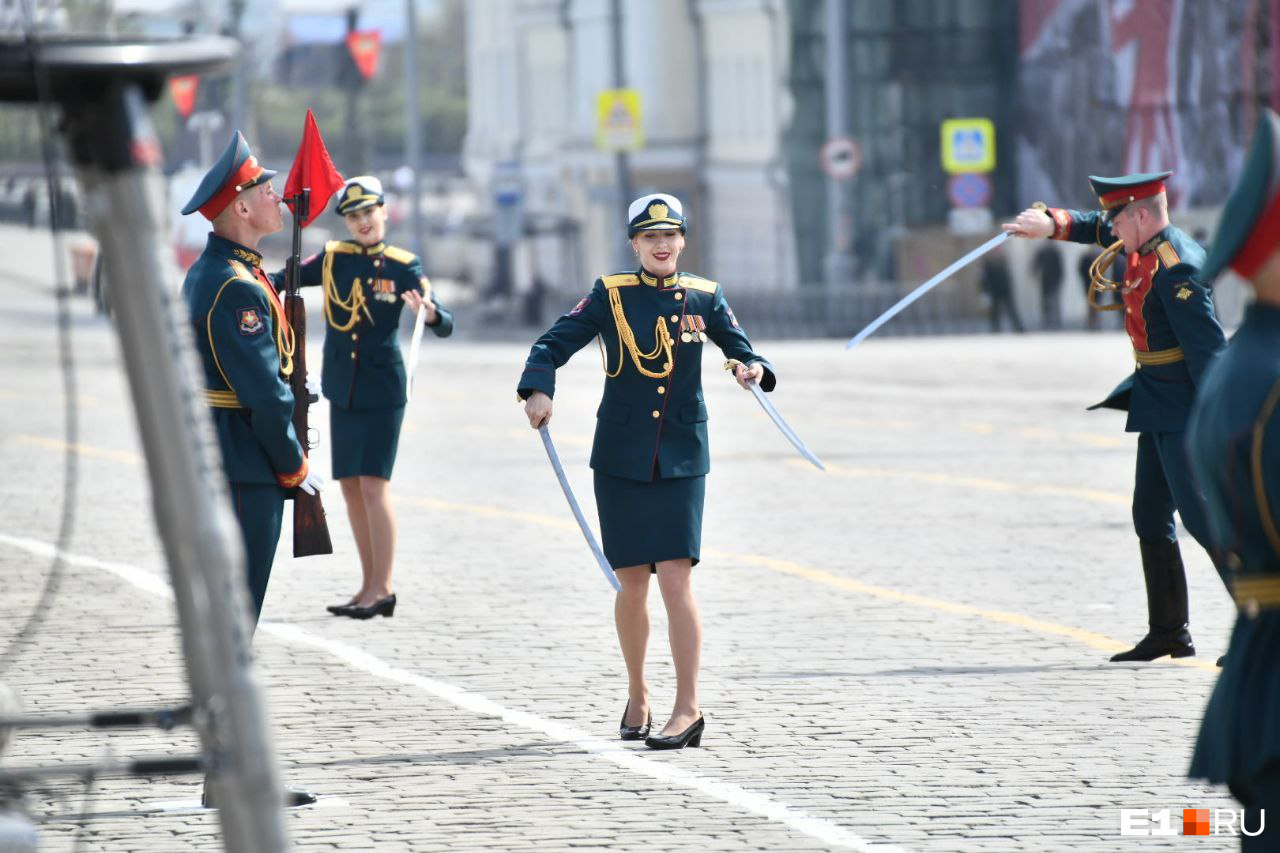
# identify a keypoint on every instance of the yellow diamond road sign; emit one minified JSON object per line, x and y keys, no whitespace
{"x":968,"y":145}
{"x":619,"y":125}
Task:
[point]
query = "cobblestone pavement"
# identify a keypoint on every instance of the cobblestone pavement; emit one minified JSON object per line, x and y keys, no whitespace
{"x":908,"y":652}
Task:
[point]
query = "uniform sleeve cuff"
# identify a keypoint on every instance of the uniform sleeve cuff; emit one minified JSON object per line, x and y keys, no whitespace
{"x":1061,"y":223}
{"x":291,"y":481}
{"x":536,"y":379}
{"x":768,"y":381}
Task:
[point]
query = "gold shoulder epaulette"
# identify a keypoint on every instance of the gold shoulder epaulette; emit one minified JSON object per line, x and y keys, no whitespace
{"x":693,"y":282}
{"x":340,"y":247}
{"x":240,"y":270}
{"x":622,"y":279}
{"x":400,"y":256}
{"x":1168,"y":255}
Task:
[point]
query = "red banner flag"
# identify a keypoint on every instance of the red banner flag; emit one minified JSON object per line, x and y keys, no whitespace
{"x":183,"y":90}
{"x":312,"y":169}
{"x":365,"y":47}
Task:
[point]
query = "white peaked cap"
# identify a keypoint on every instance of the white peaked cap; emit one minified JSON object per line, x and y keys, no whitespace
{"x":639,"y":205}
{"x":367,"y":182}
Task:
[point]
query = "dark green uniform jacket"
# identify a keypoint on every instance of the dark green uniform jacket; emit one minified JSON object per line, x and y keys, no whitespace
{"x":363,"y":367}
{"x":645,"y":423}
{"x":240,"y":335}
{"x":1234,"y":443}
{"x":1169,"y":317}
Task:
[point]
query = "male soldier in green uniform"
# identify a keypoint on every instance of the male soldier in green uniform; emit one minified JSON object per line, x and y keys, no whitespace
{"x":246,"y":348}
{"x":1175,"y":334}
{"x":1233,"y":440}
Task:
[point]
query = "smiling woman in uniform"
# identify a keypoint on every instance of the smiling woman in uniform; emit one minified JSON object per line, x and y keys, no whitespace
{"x":366,"y":285}
{"x":650,"y":454}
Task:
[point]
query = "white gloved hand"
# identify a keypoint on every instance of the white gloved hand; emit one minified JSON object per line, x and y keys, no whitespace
{"x":313,"y":384}
{"x":313,"y":483}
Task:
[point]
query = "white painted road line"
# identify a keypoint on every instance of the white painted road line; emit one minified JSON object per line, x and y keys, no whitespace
{"x":654,"y":767}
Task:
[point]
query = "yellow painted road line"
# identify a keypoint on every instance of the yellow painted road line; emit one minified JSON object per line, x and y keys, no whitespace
{"x":86,"y":400}
{"x":1052,"y":435}
{"x":1100,"y":642}
{"x":984,"y":484}
{"x":82,"y":449}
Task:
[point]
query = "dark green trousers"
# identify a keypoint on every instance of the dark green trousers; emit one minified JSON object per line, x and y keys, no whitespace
{"x":259,"y":509}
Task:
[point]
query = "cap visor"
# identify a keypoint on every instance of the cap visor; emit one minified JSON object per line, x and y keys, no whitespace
{"x":343,"y":210}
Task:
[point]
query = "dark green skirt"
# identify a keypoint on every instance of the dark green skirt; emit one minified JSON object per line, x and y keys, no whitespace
{"x":363,"y":442}
{"x":1240,"y":734}
{"x":646,"y":523}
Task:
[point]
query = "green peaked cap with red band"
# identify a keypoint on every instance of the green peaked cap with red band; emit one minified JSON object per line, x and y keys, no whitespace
{"x":1249,"y":228}
{"x":235,"y":171}
{"x":1114,"y":193}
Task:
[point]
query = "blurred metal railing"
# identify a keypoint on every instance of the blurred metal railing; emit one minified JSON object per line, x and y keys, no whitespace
{"x":805,"y":312}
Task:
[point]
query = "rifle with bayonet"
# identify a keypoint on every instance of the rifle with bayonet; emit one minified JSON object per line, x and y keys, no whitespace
{"x":310,"y":530}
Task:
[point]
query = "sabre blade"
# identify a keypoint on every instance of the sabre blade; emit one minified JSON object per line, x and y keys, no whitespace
{"x":902,"y":303}
{"x":784,"y":427}
{"x":577,"y":510}
{"x":415,"y":344}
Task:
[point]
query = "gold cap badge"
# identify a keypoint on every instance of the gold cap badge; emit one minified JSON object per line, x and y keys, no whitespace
{"x":658,"y":210}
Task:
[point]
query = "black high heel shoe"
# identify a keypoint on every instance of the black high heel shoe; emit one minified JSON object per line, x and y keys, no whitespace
{"x":691,"y":736}
{"x":626,"y":732}
{"x":382,"y":607}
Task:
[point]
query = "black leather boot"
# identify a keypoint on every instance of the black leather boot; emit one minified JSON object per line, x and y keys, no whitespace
{"x":1167,"y":616}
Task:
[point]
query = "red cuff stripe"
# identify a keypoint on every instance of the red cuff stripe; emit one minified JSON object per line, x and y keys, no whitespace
{"x":290,"y":481}
{"x":1061,"y":223}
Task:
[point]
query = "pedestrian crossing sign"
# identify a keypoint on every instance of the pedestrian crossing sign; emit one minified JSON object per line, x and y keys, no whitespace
{"x":968,"y":145}
{"x":619,"y":125}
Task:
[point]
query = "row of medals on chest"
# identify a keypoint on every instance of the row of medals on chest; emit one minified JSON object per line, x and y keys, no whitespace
{"x":383,"y":289}
{"x":692,"y":326}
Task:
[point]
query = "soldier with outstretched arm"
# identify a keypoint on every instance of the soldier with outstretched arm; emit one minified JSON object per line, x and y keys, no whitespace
{"x":1175,"y":334}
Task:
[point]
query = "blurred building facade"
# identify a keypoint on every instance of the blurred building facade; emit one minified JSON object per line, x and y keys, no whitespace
{"x":711,"y":75}
{"x":734,"y":94}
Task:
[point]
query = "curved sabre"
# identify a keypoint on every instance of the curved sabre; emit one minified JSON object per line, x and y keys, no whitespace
{"x":414,"y":346}
{"x":783,"y":426}
{"x":925,"y":288}
{"x":577,"y":510}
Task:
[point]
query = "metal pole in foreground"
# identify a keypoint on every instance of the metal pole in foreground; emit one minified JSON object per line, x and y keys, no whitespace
{"x":838,"y":265}
{"x":413,"y":132}
{"x":622,"y":161}
{"x":117,"y":157}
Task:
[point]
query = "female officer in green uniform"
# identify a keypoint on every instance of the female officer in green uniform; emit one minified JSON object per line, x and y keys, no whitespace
{"x":650,"y":451}
{"x":366,"y":284}
{"x":1233,"y":441}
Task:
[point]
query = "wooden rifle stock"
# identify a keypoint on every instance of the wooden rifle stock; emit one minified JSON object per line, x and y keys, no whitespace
{"x":310,"y":530}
